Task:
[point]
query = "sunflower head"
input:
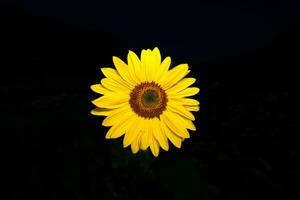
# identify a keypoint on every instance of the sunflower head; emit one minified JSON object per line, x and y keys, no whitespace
{"x":146,"y":101}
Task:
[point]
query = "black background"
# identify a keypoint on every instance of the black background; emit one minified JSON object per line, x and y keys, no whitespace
{"x":245,"y":56}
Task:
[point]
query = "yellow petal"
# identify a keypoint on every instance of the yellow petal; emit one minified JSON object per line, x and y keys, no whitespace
{"x":98,"y":88}
{"x":189,"y":124}
{"x":113,"y":75}
{"x":133,"y":131}
{"x":154,"y":147}
{"x":132,"y":65}
{"x":156,"y":63}
{"x":181,"y":85}
{"x":192,"y":108}
{"x":152,"y":69}
{"x":122,"y":69}
{"x":101,"y":111}
{"x":183,"y":122}
{"x":117,"y":115}
{"x":135,"y":62}
{"x":174,"y":75}
{"x":163,"y":69}
{"x":135,"y":145}
{"x":144,"y":64}
{"x":145,"y":142}
{"x":186,"y":102}
{"x":119,"y":129}
{"x":175,"y":139}
{"x":147,"y":64}
{"x":159,"y":134}
{"x":111,"y":101}
{"x":157,"y":56}
{"x":184,"y":93}
{"x":172,"y":120}
{"x":114,"y":86}
{"x":181,"y":110}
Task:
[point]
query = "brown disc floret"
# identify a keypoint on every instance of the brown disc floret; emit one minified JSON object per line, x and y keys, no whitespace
{"x":148,"y":100}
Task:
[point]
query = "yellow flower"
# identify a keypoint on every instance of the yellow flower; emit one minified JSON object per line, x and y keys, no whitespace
{"x":146,"y":102}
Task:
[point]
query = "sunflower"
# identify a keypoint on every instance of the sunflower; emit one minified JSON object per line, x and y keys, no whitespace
{"x":146,"y":101}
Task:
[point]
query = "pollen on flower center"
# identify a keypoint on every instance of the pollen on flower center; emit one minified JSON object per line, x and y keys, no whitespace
{"x":148,"y":100}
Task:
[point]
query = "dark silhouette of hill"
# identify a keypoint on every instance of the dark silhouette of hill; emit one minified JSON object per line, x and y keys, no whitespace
{"x":38,"y":50}
{"x":268,"y":69}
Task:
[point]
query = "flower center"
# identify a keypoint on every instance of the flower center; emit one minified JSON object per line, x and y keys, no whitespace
{"x":148,"y":100}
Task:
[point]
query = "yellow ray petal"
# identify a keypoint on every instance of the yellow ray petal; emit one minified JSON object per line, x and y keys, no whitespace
{"x":118,"y":129}
{"x":184,"y":122}
{"x":160,"y":135}
{"x":111,"y":101}
{"x":101,"y":112}
{"x":144,"y":64}
{"x":113,"y":75}
{"x":189,"y":124}
{"x":174,"y":75}
{"x":133,"y":131}
{"x":135,"y":62}
{"x":184,"y":93}
{"x":145,"y":142}
{"x":175,"y":139}
{"x":163,"y":69}
{"x":156,"y":63}
{"x":192,"y":108}
{"x":114,"y":86}
{"x":117,"y":115}
{"x":151,"y":67}
{"x":186,"y":102}
{"x":135,"y":145}
{"x":154,"y":147}
{"x":172,"y":120}
{"x":132,"y":66}
{"x":181,"y":110}
{"x":122,"y":69}
{"x":98,"y":88}
{"x":181,"y":85}
{"x":157,"y":56}
{"x":147,"y":60}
